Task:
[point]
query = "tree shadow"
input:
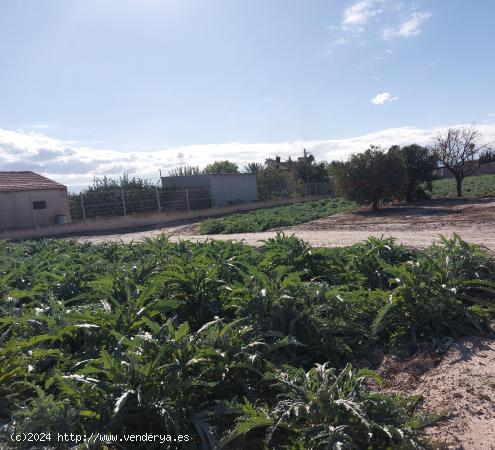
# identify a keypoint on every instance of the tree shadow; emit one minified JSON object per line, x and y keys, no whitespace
{"x":468,"y":347}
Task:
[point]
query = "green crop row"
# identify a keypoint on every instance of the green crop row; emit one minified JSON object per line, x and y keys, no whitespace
{"x":239,"y":348}
{"x":270,"y":218}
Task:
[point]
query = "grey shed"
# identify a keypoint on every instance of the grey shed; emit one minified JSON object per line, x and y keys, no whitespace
{"x":226,"y":188}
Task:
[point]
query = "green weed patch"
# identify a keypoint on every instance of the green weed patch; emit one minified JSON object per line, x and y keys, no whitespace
{"x":270,"y":218}
{"x":474,"y":186}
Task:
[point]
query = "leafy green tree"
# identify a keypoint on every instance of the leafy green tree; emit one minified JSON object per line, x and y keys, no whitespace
{"x":271,"y":180}
{"x":304,"y":169}
{"x":310,"y":171}
{"x":222,"y":167}
{"x":372,"y":177}
{"x":420,"y":166}
{"x":124,"y":182}
{"x":105,"y":195}
{"x":184,"y":171}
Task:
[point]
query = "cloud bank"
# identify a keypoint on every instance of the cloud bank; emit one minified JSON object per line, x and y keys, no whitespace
{"x":76,"y":165}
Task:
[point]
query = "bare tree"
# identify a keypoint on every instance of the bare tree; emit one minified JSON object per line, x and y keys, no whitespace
{"x":456,"y":150}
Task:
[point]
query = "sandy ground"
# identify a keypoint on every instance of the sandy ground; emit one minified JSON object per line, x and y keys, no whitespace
{"x":415,"y":225}
{"x":460,"y":386}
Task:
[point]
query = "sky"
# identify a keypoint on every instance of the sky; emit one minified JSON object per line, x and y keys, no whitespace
{"x":101,"y":87}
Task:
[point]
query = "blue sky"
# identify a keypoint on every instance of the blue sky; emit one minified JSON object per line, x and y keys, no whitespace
{"x":93,"y":87}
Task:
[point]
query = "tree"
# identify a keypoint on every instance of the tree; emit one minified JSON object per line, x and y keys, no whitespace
{"x":106,"y":184}
{"x":420,"y":166}
{"x":253,"y":167}
{"x":309,"y":170}
{"x":222,"y":167}
{"x":372,"y":177}
{"x":183,"y":171}
{"x":456,"y":150}
{"x":304,"y":169}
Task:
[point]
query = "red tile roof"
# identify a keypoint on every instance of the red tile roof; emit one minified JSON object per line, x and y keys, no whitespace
{"x":26,"y":181}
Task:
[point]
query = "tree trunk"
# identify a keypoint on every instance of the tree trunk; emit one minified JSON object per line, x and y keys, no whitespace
{"x":374,"y":205}
{"x":458,"y":182}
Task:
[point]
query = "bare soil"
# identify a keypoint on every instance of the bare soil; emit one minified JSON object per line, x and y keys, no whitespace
{"x":458,"y":386}
{"x":416,"y":225}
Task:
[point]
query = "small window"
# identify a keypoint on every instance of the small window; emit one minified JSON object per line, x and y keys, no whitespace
{"x":40,"y":204}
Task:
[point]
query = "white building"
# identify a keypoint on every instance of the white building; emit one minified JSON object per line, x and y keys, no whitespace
{"x":29,"y":200}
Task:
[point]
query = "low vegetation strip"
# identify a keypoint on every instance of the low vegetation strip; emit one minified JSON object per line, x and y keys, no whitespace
{"x":239,"y":348}
{"x":268,"y":219}
{"x":474,"y":186}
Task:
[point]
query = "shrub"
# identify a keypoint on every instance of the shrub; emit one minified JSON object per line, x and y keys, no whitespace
{"x":420,"y":166}
{"x":372,"y":177}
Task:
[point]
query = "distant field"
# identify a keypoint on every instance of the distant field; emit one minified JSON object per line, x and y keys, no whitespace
{"x":267,"y":219}
{"x":477,"y":186}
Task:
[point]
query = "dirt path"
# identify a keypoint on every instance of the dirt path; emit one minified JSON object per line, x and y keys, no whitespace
{"x":461,"y":387}
{"x":414,"y":225}
{"x":320,"y":238}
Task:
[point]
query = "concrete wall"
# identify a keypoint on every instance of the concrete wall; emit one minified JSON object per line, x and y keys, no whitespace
{"x":187,"y":181}
{"x":232,"y":189}
{"x":16,"y":208}
{"x":114,"y":224}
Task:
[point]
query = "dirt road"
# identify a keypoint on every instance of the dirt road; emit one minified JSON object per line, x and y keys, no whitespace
{"x":414,"y":225}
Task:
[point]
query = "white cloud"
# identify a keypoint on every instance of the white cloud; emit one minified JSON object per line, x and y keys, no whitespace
{"x":354,"y":20}
{"x":362,"y":18}
{"x":410,"y":27}
{"x":384,"y":97}
{"x":358,"y":14}
{"x":76,"y":165}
